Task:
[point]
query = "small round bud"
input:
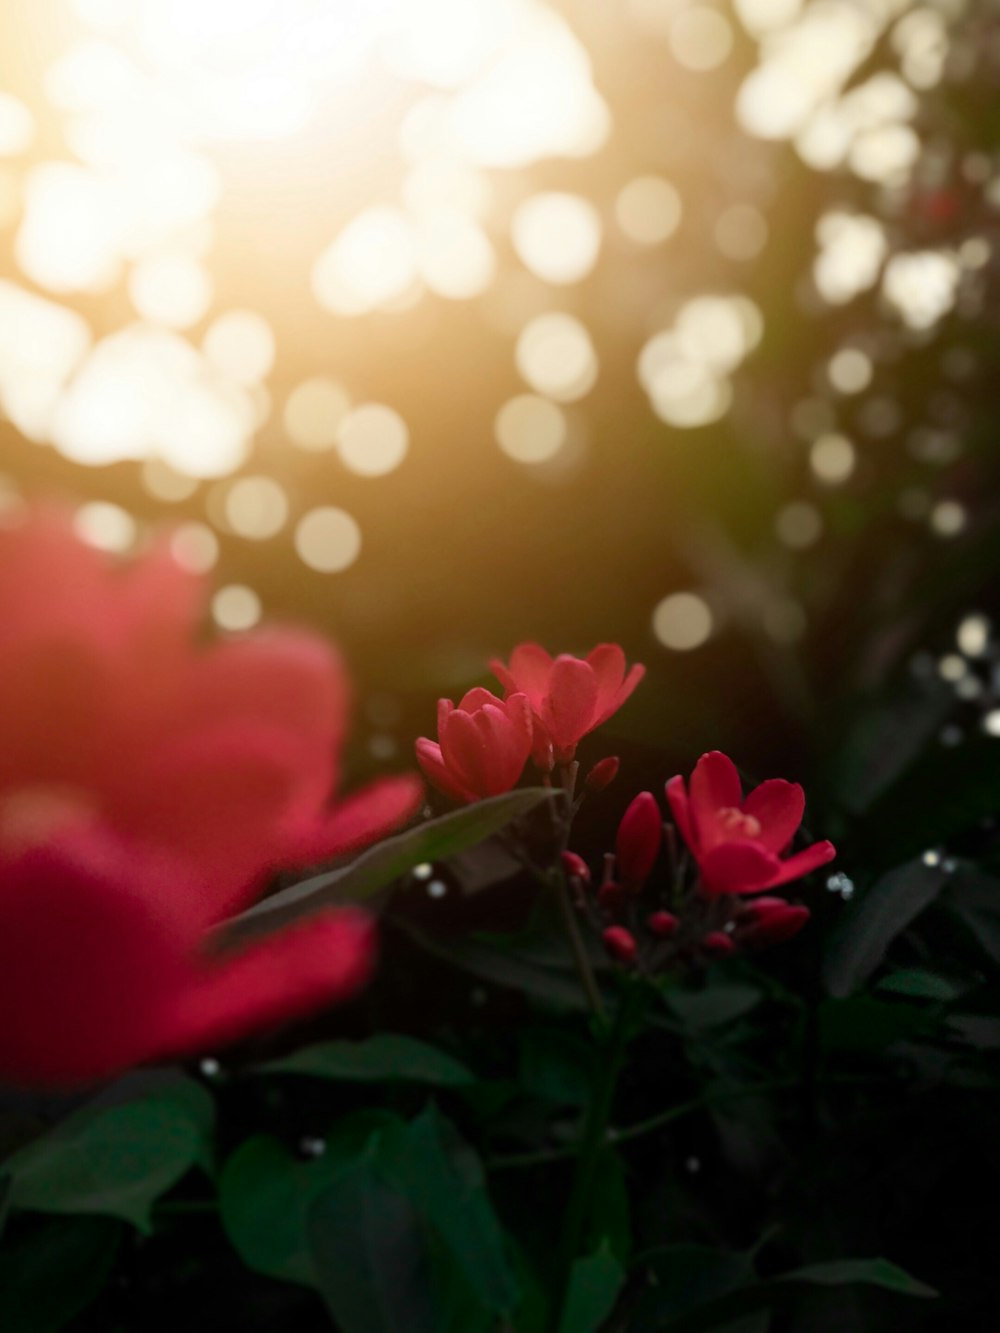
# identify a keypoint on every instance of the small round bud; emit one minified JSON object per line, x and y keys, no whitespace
{"x":612,"y":896}
{"x":620,"y":944}
{"x":717,"y":944}
{"x":575,"y":867}
{"x":663,"y":924}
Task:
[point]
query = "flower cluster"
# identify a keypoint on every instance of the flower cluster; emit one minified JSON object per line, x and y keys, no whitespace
{"x":548,"y":707}
{"x":736,"y":846}
{"x":148,"y":789}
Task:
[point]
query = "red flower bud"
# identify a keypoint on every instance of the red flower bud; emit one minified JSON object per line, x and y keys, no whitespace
{"x":663,"y":924}
{"x":771,"y":921}
{"x":638,"y":843}
{"x":602,"y":774}
{"x":717,"y":944}
{"x":620,"y":944}
{"x":612,"y":896}
{"x":575,"y":867}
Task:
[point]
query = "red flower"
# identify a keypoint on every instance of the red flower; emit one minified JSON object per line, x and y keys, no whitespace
{"x":569,"y":696}
{"x":482,"y":748}
{"x":738,"y":843}
{"x":148,"y":788}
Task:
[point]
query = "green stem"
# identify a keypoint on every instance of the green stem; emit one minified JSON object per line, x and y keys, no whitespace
{"x":611,"y":1057}
{"x":579,"y":950}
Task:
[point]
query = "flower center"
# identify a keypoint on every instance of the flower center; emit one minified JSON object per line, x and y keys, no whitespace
{"x":739,"y":825}
{"x":30,"y":816}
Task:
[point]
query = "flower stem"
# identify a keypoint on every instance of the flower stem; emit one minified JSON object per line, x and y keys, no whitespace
{"x":611,"y":1056}
{"x":579,"y":950}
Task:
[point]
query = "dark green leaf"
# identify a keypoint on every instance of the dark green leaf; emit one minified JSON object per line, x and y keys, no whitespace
{"x":443,"y":1178}
{"x":369,"y":1256}
{"x":920,"y":984}
{"x":556,"y":1066}
{"x":686,"y":1277}
{"x":868,"y":1272}
{"x":382,"y":865}
{"x":719,"y":1310}
{"x":386,"y":1057}
{"x":885,"y":742}
{"x":51,"y":1274}
{"x":555,"y":989}
{"x":593,"y":1288}
{"x":116,"y":1159}
{"x":716,"y":1004}
{"x":872,"y":922}
{"x":265,"y":1194}
{"x":975,"y":897}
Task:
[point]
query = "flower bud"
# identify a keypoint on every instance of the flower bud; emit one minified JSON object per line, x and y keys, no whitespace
{"x":663,"y":924}
{"x":638,"y":843}
{"x":771,"y":921}
{"x":575,"y":867}
{"x":620,"y":944}
{"x":717,"y":944}
{"x":602,"y":774}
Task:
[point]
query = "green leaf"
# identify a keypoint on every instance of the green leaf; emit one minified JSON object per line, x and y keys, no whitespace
{"x":593,"y":1288}
{"x":722,"y":1309}
{"x":554,"y":988}
{"x":687,"y":1277}
{"x":369,"y":1256}
{"x":866,"y":1272}
{"x":384,"y":1058}
{"x":714,"y":1005}
{"x":556,"y":1066}
{"x":920,"y":984}
{"x":265,"y":1194}
{"x":975,"y":897}
{"x":444,"y":1179}
{"x":872,"y":922}
{"x":382,"y":865}
{"x":51,"y":1274}
{"x":116,"y":1159}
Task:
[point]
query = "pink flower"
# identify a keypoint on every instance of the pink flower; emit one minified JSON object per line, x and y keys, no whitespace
{"x":149,"y":787}
{"x":569,"y":696}
{"x":738,"y":843}
{"x":483,"y":745}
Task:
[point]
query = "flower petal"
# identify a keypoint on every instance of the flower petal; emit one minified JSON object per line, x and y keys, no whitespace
{"x":430,"y":759}
{"x":86,"y":959}
{"x":286,"y":976}
{"x":778,"y":806}
{"x":568,"y":710}
{"x":738,"y":867}
{"x":528,"y":672}
{"x":359,"y":819}
{"x":802,"y":863}
{"x":680,"y":807}
{"x":607,"y":661}
{"x":715,"y":786}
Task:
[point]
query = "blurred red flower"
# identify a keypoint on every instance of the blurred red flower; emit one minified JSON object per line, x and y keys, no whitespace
{"x":738,"y":843}
{"x":148,"y":788}
{"x":569,"y":696}
{"x":483,"y":745}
